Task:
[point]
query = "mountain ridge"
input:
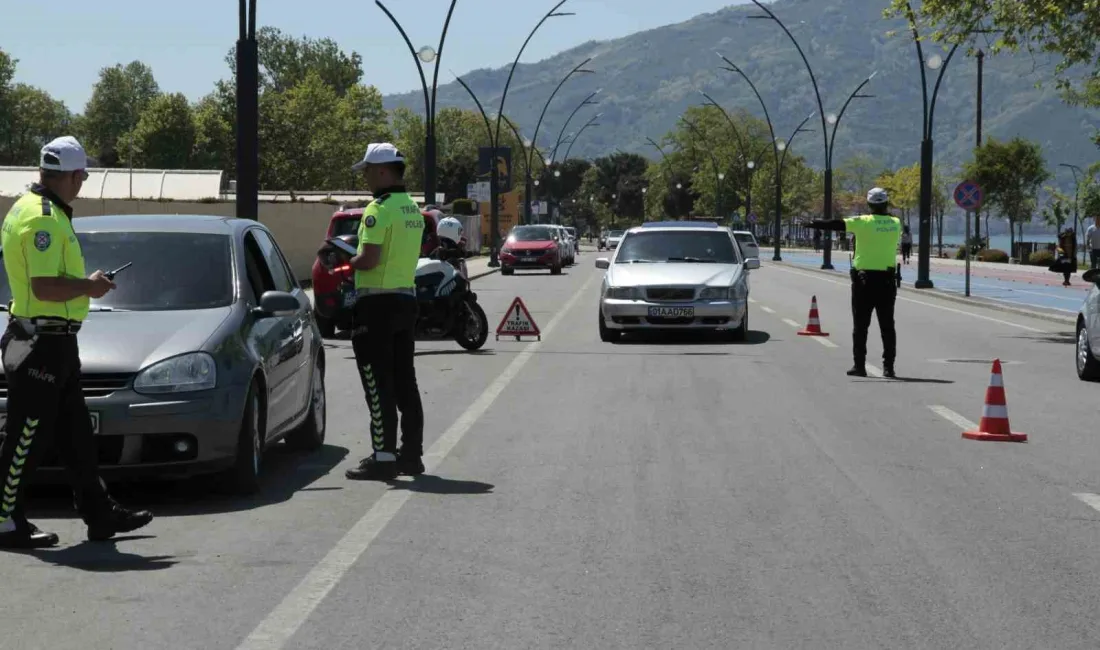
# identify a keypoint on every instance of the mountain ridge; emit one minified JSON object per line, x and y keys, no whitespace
{"x":648,"y":79}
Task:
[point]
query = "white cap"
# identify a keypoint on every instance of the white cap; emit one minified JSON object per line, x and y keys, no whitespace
{"x":877,"y":196}
{"x":64,"y":154}
{"x":379,"y":153}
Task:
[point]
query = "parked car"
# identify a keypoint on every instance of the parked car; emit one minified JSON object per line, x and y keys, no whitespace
{"x":1088,"y":330}
{"x":675,"y":275}
{"x":567,"y":250}
{"x":327,"y":281}
{"x":747,"y":242}
{"x":576,"y":241}
{"x":613,"y":238}
{"x":205,"y":355}
{"x":531,"y":247}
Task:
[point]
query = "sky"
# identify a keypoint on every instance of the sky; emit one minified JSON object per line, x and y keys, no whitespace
{"x":185,"y":43}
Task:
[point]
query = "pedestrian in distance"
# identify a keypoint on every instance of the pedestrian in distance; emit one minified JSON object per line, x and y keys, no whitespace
{"x":50,"y":299}
{"x":874,"y":276}
{"x":386,"y":311}
{"x":1065,"y":261}
{"x":906,"y":245}
{"x":1092,"y":240}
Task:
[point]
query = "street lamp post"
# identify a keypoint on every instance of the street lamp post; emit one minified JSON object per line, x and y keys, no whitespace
{"x":934,"y":62}
{"x":573,"y":140}
{"x":833,"y":119}
{"x":248,"y":114}
{"x":528,"y":189}
{"x":1076,"y":194}
{"x":827,"y":261}
{"x":587,"y":101}
{"x":784,"y":147}
{"x":421,"y":56}
{"x":775,"y":147}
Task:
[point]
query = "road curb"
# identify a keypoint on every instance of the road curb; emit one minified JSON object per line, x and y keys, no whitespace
{"x":951,"y":297}
{"x":481,"y":275}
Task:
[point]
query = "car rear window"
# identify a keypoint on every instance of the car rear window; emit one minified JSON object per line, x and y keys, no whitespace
{"x":345,"y":226}
{"x":745,"y":238}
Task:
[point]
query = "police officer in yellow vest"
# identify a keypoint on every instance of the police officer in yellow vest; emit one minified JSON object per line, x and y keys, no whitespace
{"x":390,"y":236}
{"x":50,"y":299}
{"x":874,"y":277}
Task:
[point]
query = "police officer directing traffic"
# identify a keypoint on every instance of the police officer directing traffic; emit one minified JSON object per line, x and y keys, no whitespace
{"x":874,"y":272}
{"x":50,"y":299}
{"x":390,"y":236}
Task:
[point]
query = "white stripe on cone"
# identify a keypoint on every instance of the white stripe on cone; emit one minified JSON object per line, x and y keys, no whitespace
{"x":997,"y":380}
{"x":994,"y":411}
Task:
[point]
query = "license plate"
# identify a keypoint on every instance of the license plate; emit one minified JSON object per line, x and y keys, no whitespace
{"x":529,"y":260}
{"x":672,"y":312}
{"x":350,"y":298}
{"x":94,"y":415}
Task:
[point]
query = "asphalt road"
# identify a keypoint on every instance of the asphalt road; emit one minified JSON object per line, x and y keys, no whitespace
{"x":662,"y":493}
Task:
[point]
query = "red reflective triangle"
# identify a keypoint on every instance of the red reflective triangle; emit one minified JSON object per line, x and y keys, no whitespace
{"x":517,"y":321}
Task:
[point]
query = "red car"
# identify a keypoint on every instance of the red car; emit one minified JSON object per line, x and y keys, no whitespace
{"x":330,"y":300}
{"x":530,"y":247}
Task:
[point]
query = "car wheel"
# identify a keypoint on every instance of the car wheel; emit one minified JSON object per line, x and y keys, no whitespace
{"x":556,"y":269}
{"x":244,"y":477}
{"x":1088,"y":369}
{"x":607,"y":335}
{"x":326,"y":325}
{"x":310,"y":434}
{"x":741,"y":331}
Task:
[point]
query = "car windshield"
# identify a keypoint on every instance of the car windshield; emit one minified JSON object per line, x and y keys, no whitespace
{"x":171,"y":271}
{"x":684,"y":246}
{"x":531,"y":234}
{"x":616,"y":233}
{"x":345,"y":226}
{"x":745,"y":238}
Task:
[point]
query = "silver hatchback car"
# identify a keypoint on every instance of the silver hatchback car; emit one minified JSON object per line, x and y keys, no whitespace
{"x":675,"y":275}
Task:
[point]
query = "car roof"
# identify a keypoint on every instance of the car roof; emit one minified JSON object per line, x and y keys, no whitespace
{"x":659,"y":226}
{"x":702,"y":225}
{"x":184,"y":223}
{"x":744,"y":232}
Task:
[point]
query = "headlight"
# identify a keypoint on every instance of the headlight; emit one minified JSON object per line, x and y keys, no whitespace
{"x":740,"y":291}
{"x":622,"y":293}
{"x":186,"y":373}
{"x":715,"y":293}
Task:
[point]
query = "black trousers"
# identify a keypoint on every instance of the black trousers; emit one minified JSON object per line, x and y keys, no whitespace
{"x":874,"y":291}
{"x":384,"y":342}
{"x":46,"y":406}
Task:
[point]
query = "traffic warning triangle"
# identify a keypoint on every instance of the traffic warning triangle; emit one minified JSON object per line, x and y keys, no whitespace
{"x":517,"y":321}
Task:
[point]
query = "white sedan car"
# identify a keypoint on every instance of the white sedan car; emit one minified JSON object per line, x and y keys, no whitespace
{"x":675,"y":275}
{"x":614,"y":238}
{"x":747,"y":241}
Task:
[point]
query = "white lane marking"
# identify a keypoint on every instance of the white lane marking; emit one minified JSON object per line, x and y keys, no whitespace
{"x":826,"y":342}
{"x":954,"y":418}
{"x":767,"y":310}
{"x":926,"y":304}
{"x":752,"y":301}
{"x":791,"y":322}
{"x":1092,"y":500}
{"x":872,"y":370}
{"x":275,"y":631}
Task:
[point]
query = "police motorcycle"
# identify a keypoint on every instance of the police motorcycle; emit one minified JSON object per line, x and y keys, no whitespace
{"x":448,"y":307}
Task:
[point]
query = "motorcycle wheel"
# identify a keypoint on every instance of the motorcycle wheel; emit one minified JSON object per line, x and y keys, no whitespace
{"x":474,"y":327}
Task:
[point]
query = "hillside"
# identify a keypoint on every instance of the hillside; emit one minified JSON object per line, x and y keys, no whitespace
{"x":650,"y":77}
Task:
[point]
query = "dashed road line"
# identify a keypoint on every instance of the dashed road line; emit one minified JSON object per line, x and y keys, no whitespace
{"x":824,"y":341}
{"x":1092,"y":500}
{"x":953,"y":417}
{"x":791,"y":322}
{"x":874,"y":371}
{"x":767,"y":310}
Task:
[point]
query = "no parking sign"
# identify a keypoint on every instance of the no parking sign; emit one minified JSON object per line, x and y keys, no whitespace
{"x":968,"y":196}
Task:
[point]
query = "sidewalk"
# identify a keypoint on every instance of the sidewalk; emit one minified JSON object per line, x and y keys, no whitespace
{"x":1030,"y":287}
{"x":478,"y":267}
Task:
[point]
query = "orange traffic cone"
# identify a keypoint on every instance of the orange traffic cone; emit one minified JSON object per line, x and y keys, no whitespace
{"x":813,"y":325}
{"x":994,"y":425}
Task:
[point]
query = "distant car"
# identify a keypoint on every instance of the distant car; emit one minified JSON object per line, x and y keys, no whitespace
{"x":327,"y":281}
{"x":1088,"y":330}
{"x":747,"y":241}
{"x":531,"y":247}
{"x":674,"y":276}
{"x":204,"y":356}
{"x":576,"y":241}
{"x":613,"y":238}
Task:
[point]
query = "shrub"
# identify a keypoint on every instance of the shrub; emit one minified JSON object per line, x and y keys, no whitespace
{"x":960,"y":254}
{"x":1041,"y":258}
{"x":992,"y":255}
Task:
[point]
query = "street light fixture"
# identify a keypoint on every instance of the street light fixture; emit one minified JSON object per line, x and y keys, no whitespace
{"x":248,"y":114}
{"x":426,"y":54}
{"x":1076,"y":204}
{"x":587,"y":101}
{"x":591,"y":122}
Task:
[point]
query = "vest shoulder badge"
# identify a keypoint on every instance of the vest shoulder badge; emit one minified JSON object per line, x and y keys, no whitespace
{"x":42,"y":240}
{"x":370,"y":221}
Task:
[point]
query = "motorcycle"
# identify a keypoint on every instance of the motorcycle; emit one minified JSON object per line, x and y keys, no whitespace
{"x":448,"y":307}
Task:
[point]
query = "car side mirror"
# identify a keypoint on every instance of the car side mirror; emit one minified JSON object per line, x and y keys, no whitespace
{"x":276,"y":304}
{"x":603,"y":263}
{"x":1092,"y":275}
{"x":752,"y":263}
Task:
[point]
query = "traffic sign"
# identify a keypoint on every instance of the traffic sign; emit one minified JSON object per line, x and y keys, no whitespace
{"x":517,"y":322}
{"x":968,"y":196}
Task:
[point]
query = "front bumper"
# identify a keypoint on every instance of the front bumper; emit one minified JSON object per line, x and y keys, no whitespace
{"x":138,"y":434}
{"x":704,"y":314}
{"x":521,"y":260}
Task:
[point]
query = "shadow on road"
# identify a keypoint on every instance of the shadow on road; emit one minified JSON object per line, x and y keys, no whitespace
{"x":1067,"y":338}
{"x":687,"y":337}
{"x":428,"y":484}
{"x":905,"y":380}
{"x":284,"y":473}
{"x":103,"y":557}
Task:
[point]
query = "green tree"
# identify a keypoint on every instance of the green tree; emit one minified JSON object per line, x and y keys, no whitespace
{"x":164,"y":137}
{"x":1058,"y":211}
{"x":286,"y":61}
{"x":857,"y":173}
{"x":34,"y":118}
{"x":1010,"y":174}
{"x":904,"y":188}
{"x":1089,"y":197}
{"x":118,"y":99}
{"x":215,"y":143}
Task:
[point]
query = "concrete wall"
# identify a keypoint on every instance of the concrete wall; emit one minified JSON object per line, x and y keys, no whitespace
{"x":298,"y":227}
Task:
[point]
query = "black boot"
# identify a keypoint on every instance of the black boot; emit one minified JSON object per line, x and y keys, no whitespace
{"x":857,"y":370}
{"x":409,"y":464}
{"x":115,"y":519}
{"x":888,"y":371}
{"x":27,"y":536}
{"x":373,"y":470}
